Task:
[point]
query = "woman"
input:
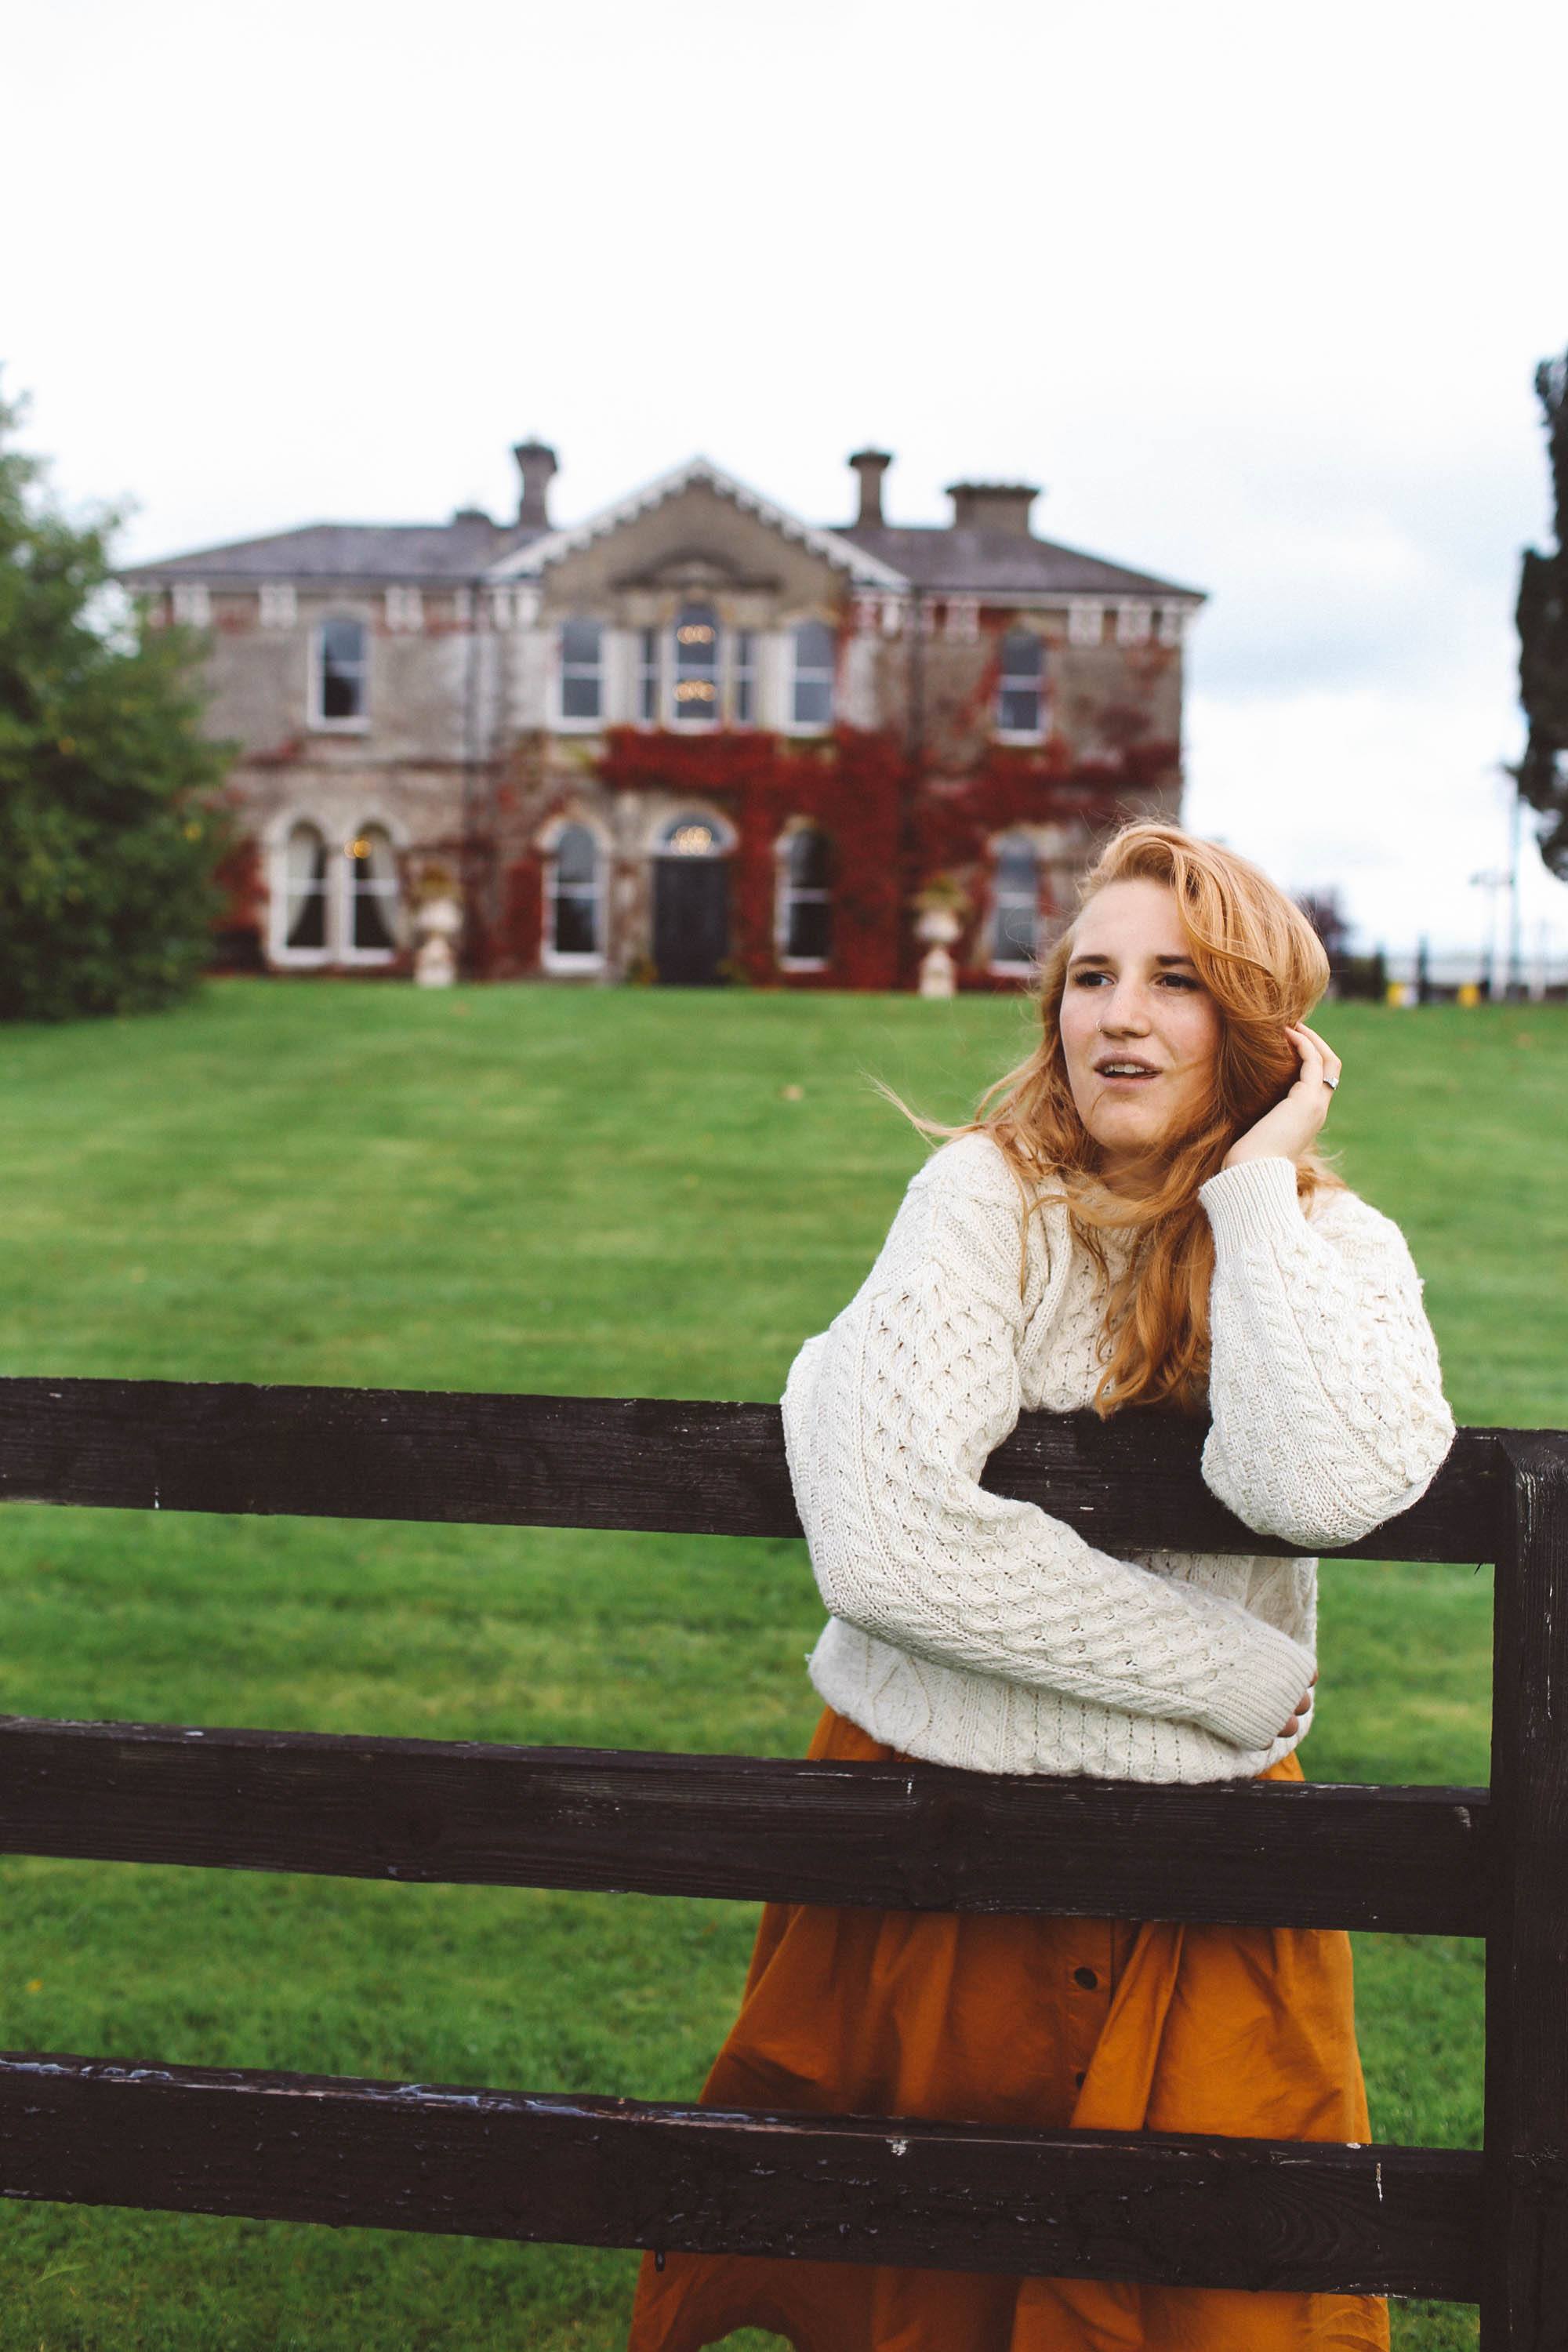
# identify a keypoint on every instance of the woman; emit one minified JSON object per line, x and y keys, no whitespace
{"x":1139,"y":1218}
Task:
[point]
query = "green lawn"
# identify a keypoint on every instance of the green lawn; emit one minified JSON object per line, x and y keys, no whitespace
{"x":616,"y":1192}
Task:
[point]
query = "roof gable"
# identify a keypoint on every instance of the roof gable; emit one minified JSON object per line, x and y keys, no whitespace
{"x":858,"y":564}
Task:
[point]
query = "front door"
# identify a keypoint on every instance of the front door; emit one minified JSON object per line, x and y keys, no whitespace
{"x":691,"y":920}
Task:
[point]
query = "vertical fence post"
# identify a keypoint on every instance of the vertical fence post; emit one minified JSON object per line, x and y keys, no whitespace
{"x":1525,"y":2307}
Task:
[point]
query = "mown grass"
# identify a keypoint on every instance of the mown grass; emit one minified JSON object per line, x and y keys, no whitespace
{"x":624,"y":1191}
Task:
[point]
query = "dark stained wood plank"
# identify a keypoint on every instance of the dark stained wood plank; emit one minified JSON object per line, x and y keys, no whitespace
{"x":607,"y":2172}
{"x":1525,"y":2307}
{"x":615,"y":1462}
{"x":909,"y":1837}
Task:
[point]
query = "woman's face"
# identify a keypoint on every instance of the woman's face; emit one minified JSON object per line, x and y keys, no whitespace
{"x":1140,"y":1031}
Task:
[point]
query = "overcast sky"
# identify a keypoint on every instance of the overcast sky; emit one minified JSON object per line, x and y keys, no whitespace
{"x":1255,"y":293}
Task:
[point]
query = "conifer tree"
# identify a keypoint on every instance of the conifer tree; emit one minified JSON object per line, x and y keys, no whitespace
{"x":1542,"y":618}
{"x":111,"y":811}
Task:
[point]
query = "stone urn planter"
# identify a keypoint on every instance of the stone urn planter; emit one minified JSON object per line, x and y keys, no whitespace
{"x":938,"y":921}
{"x":437,"y":922}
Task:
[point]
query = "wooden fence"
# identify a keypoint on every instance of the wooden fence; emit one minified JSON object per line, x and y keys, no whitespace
{"x":1488,"y":2227}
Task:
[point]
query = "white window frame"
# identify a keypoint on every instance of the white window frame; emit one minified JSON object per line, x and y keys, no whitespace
{"x":797,"y":676}
{"x":672,"y":683}
{"x":559,"y":722}
{"x":648,"y":684}
{"x":787,"y":896}
{"x":339,"y":951}
{"x":552,"y":958}
{"x":348,"y":952}
{"x":277,"y":604}
{"x":318,"y":721}
{"x":279,"y":951}
{"x":191,"y":604}
{"x":405,"y":610}
{"x":745,"y":670}
{"x":1172,"y":625}
{"x":1038,"y":683}
{"x":1134,"y":623}
{"x":1011,"y":967}
{"x":1085,"y":622}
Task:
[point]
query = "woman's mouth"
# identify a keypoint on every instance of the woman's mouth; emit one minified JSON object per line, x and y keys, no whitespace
{"x":1125,"y":1071}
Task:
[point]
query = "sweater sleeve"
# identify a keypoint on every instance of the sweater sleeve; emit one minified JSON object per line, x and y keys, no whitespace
{"x":889,"y":1417}
{"x":1324,"y":1385}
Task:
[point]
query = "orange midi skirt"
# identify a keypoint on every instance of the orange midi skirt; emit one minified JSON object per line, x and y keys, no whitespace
{"x":1035,"y":2023}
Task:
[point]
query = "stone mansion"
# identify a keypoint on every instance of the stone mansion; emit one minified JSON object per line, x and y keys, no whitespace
{"x":690,"y":738}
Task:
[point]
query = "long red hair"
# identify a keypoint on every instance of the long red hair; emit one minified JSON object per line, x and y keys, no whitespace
{"x":1264,"y":966}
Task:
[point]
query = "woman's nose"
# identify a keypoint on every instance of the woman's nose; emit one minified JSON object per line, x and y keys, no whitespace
{"x":1122,"y":1009}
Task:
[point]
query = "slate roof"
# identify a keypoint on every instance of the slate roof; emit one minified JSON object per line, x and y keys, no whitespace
{"x":459,"y":550}
{"x":1003,"y":564}
{"x":929,"y":557}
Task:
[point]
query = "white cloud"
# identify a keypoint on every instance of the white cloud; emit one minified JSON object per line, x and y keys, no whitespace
{"x":1258,"y":293}
{"x":1393,"y":800}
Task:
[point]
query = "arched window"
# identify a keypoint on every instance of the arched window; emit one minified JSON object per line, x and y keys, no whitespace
{"x":805,"y":901}
{"x":1016,"y":903}
{"x":696,"y":665}
{"x":811,"y":703}
{"x":373,"y":892}
{"x":691,"y":836}
{"x":341,"y":672}
{"x":305,"y":891}
{"x":582,"y":670}
{"x":1021,"y":688}
{"x":574,"y":886}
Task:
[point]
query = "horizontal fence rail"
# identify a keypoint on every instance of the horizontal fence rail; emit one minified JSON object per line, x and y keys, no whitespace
{"x":1275,"y":2214}
{"x":1286,"y":2215}
{"x":620,"y":1462}
{"x":903,"y":1837}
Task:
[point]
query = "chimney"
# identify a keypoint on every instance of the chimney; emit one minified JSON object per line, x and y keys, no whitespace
{"x":535,"y":463}
{"x":993,"y":506}
{"x":870,"y":464}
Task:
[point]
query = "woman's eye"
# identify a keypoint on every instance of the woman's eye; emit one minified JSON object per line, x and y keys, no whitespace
{"x":1088,"y":979}
{"x":1178,"y":980}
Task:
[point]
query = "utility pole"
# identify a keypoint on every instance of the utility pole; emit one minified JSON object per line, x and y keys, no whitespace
{"x":1514,"y":987}
{"x":1491,"y":879}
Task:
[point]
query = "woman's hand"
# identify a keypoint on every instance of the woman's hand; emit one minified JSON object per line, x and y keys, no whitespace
{"x":1293,"y":1723}
{"x":1290,"y":1127}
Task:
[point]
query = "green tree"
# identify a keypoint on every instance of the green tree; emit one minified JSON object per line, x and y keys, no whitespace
{"x":1542,"y":618}
{"x":111,"y":817}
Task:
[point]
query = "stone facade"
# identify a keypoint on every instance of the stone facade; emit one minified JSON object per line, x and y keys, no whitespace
{"x":689,"y":739}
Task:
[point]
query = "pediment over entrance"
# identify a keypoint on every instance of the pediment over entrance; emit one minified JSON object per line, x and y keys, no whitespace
{"x":697,"y":528}
{"x":695,"y":569}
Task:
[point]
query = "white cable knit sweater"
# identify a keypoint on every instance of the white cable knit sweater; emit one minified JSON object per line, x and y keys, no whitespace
{"x":976,"y":1631}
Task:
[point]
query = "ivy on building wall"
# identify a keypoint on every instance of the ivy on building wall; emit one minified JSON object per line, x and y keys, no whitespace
{"x":852,"y":785}
{"x":889,"y":830}
{"x":239,"y":927}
